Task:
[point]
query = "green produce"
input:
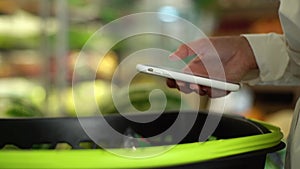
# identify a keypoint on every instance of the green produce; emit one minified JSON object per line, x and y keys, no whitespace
{"x":85,"y":97}
{"x":21,"y":98}
{"x":21,"y":108}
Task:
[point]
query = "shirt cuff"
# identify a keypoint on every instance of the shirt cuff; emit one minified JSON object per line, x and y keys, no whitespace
{"x":271,"y":56}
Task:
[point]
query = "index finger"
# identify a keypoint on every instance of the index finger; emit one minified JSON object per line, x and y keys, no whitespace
{"x":182,"y":52}
{"x":191,"y":48}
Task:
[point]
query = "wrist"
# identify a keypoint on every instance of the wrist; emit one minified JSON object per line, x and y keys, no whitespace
{"x":248,"y":53}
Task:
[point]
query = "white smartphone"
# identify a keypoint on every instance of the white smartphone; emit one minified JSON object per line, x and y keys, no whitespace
{"x":181,"y":76}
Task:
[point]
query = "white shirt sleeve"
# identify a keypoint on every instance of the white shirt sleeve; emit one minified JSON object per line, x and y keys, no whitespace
{"x":278,"y":56}
{"x":278,"y":59}
{"x":270,"y":54}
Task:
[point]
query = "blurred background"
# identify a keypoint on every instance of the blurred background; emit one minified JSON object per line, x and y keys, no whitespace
{"x":40,"y":41}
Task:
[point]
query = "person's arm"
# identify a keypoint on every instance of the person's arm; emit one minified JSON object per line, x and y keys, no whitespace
{"x":278,"y":56}
{"x":256,"y":58}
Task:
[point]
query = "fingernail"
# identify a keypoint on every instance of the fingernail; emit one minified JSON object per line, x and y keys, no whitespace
{"x":180,"y":84}
{"x":204,"y":90}
{"x":194,"y":87}
{"x":187,"y":70}
{"x":173,"y":57}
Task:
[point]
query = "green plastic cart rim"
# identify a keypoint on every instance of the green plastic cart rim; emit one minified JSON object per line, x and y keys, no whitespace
{"x":178,"y":155}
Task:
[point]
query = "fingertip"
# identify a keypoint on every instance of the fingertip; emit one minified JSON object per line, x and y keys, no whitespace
{"x":171,"y":83}
{"x":173,"y":57}
{"x":195,"y":87}
{"x":181,"y":52}
{"x":181,"y":83}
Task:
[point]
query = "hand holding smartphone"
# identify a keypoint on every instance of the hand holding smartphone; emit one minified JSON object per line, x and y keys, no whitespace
{"x":181,"y":76}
